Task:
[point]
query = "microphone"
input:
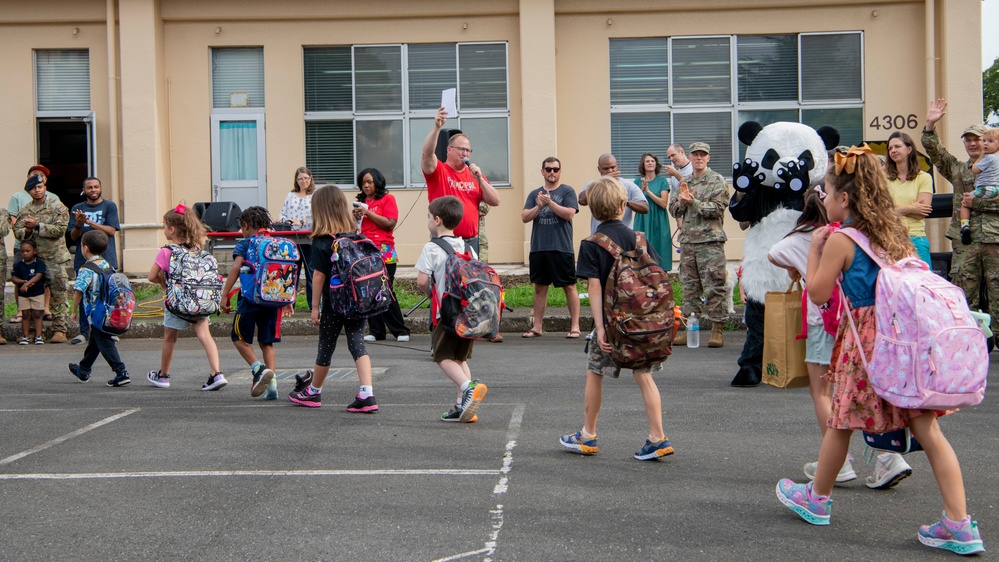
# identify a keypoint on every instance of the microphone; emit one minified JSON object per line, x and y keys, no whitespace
{"x":466,"y":161}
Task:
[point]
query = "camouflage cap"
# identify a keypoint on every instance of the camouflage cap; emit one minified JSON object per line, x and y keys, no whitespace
{"x":699,"y":147}
{"x":976,"y":129}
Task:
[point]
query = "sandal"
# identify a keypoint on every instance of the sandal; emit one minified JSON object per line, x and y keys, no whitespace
{"x":572,"y":335}
{"x":15,"y":319}
{"x":531,"y":334}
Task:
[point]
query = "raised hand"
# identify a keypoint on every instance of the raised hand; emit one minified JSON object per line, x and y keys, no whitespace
{"x":938,"y":108}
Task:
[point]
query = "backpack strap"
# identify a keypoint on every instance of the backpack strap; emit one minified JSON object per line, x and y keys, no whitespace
{"x":610,"y":246}
{"x":443,"y":244}
{"x":861,"y":240}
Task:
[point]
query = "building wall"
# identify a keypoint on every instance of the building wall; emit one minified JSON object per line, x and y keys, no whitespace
{"x":558,"y":82}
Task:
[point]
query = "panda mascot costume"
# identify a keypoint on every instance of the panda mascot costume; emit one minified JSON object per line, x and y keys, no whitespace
{"x":782,"y":161}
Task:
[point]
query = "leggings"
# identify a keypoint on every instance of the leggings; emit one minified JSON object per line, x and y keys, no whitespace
{"x":330,"y":324}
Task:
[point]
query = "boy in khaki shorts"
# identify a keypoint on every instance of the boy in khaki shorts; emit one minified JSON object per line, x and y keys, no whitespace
{"x":28,"y":277}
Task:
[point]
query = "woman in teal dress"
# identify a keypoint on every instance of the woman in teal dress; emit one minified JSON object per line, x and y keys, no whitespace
{"x":655,"y":224}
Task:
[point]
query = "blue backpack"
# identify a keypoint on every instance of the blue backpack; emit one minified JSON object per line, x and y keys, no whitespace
{"x":269,"y":276}
{"x":112,"y":312}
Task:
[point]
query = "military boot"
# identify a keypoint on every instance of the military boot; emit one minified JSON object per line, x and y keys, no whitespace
{"x":58,"y":337}
{"x":680,"y":339}
{"x":717,"y":335}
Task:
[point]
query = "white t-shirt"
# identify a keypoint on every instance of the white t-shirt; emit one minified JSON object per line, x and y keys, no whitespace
{"x":433,"y":258}
{"x":793,"y":251}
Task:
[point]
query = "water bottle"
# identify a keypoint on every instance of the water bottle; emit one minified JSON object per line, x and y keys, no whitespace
{"x":693,"y":331}
{"x":335,"y":282}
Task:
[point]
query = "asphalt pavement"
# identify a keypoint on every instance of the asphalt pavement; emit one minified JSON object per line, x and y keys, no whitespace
{"x":89,"y":472}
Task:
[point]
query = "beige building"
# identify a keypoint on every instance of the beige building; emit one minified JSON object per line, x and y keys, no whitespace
{"x":219,"y":100}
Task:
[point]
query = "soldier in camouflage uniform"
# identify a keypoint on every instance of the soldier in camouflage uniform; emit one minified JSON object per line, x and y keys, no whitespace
{"x":700,"y":203}
{"x":969,"y":261}
{"x":4,"y":230}
{"x":45,"y":221}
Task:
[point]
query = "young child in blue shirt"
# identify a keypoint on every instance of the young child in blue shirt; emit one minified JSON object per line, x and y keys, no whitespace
{"x":88,"y":286}
{"x":28,"y":277}
{"x":249,"y":317}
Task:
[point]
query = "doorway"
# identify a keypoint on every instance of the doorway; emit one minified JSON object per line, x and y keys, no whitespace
{"x":239,"y":160}
{"x":66,"y":148}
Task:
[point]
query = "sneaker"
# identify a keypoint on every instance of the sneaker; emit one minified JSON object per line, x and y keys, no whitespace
{"x":889,"y":472}
{"x":39,"y":340}
{"x":652,"y":451}
{"x":402,"y":338}
{"x":121,"y":379}
{"x":846,"y":472}
{"x":78,"y":340}
{"x":798,"y":497}
{"x":306,"y":398}
{"x":302,"y":382}
{"x":215,"y":382}
{"x":271,"y":393}
{"x":158,"y":379}
{"x":454,"y":415}
{"x":261,"y":378}
{"x":577,"y":444}
{"x":966,"y":235}
{"x":369,"y":338}
{"x":471,"y":398}
{"x":365,"y":406}
{"x":115,"y":339}
{"x":75,"y":369}
{"x":964,"y":540}
{"x":23,"y":341}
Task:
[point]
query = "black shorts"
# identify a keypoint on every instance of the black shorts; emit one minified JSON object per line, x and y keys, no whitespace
{"x":264,"y":320}
{"x":553,"y":268}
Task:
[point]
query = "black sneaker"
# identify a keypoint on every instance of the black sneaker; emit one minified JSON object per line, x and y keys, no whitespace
{"x":261,"y":378}
{"x":121,"y":379}
{"x":454,"y":415}
{"x":966,"y":235}
{"x":215,"y":381}
{"x":306,"y":398}
{"x":302,"y":382}
{"x":75,"y":369}
{"x":366,"y":406}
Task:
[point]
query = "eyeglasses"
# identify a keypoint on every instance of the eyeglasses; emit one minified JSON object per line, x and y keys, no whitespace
{"x":303,"y":179}
{"x":461,"y":149}
{"x":551,"y":170}
{"x":821,"y":192}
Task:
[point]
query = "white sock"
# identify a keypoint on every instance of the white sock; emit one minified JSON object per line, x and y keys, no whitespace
{"x":464,"y":385}
{"x":366,"y":391}
{"x":315,"y":390}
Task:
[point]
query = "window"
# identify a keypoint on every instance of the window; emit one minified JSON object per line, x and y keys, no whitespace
{"x":62,"y":81}
{"x":373,"y":105}
{"x":237,"y":77}
{"x":685,"y":89}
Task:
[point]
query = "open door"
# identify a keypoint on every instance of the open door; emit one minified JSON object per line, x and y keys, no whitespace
{"x":239,"y":163}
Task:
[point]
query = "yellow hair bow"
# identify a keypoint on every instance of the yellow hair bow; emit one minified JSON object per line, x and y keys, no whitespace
{"x":848,"y":161}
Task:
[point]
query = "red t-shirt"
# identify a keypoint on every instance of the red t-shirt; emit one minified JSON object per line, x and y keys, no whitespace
{"x":384,"y":207}
{"x":464,"y":186}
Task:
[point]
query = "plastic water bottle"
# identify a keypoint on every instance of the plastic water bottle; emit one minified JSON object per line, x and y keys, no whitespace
{"x":693,"y":331}
{"x":335,"y":281}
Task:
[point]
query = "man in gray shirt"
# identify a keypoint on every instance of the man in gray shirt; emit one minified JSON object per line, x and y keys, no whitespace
{"x":551,"y":208}
{"x":637,"y":203}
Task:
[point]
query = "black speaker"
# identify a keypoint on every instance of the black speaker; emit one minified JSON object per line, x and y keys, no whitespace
{"x":443,"y":138}
{"x":221,"y":216}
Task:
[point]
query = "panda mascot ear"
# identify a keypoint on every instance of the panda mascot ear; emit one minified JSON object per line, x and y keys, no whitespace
{"x":829,"y":136}
{"x":749,"y":130}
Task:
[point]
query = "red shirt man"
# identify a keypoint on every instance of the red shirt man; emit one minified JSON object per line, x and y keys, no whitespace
{"x":454,"y":177}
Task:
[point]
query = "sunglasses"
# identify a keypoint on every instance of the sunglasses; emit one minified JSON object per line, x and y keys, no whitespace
{"x":551,"y":170}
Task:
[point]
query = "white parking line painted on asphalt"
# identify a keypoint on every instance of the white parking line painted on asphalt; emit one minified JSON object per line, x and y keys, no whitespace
{"x":66,"y":437}
{"x":226,"y":473}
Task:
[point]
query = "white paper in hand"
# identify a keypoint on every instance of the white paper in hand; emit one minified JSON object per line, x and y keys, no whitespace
{"x":448,"y":102}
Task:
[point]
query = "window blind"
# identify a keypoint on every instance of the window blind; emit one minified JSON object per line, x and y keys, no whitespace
{"x":62,"y":80}
{"x":237,"y":69}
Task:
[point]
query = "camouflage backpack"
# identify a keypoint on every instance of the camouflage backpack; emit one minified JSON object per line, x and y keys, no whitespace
{"x":638,"y":305}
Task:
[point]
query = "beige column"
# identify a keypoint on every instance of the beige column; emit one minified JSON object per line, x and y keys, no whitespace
{"x":539,"y":129}
{"x":145,"y":173}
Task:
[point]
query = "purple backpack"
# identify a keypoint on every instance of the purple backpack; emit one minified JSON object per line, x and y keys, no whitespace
{"x":928,"y":352}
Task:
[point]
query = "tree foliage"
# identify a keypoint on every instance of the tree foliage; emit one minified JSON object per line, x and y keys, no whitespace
{"x":990,"y":90}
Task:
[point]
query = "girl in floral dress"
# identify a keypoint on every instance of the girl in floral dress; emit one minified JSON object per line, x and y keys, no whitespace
{"x":856,"y":194}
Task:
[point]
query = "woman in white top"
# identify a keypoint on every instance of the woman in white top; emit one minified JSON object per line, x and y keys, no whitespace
{"x":297,"y":210}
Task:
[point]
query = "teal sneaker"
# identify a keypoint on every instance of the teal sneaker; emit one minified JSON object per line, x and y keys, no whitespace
{"x":942,"y":534}
{"x":271,"y":393}
{"x":798,"y":498}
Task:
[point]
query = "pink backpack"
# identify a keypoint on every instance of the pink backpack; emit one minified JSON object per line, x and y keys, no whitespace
{"x":928,"y":352}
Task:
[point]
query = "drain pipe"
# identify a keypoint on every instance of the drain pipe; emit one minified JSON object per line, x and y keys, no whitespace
{"x":115,"y":151}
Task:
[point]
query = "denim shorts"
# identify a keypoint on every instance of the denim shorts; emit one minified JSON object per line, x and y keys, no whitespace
{"x":171,"y":320}
{"x":819,"y":345}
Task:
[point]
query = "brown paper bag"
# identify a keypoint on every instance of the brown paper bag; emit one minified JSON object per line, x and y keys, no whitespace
{"x":783,"y":354}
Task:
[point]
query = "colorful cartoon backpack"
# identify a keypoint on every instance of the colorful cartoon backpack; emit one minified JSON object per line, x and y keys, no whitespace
{"x":194,"y":286}
{"x":472,"y":302}
{"x":111,"y":313}
{"x":928,"y":351}
{"x":359,"y":286}
{"x":639,"y":310}
{"x":269,"y":276}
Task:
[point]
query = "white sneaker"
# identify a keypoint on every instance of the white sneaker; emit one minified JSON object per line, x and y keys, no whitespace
{"x":403,"y":338}
{"x":846,"y":472}
{"x":78,"y":340}
{"x":890,"y":470}
{"x":369,"y":338}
